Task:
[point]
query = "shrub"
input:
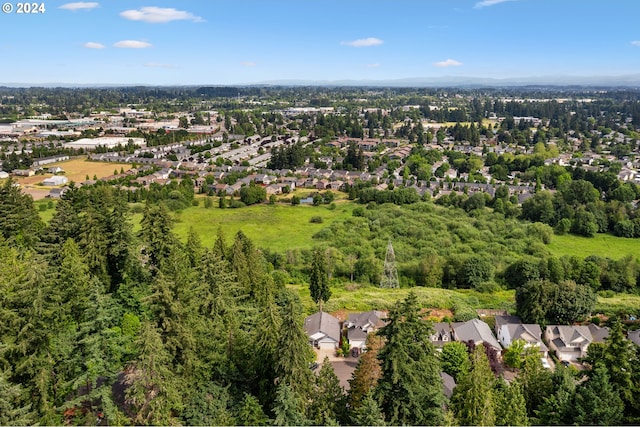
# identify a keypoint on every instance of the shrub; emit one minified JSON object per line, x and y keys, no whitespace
{"x":316,"y":220}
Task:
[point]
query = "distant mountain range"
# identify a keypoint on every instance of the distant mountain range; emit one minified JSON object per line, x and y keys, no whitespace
{"x":629,"y":80}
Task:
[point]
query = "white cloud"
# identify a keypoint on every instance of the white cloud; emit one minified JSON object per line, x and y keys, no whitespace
{"x":376,"y":65}
{"x":448,"y":63}
{"x":93,"y":45}
{"x":487,"y":3}
{"x":156,"y":65}
{"x":248,"y":63}
{"x":159,"y":15}
{"x":80,"y":5}
{"x":132,"y":44}
{"x":636,"y":42}
{"x":370,"y":41}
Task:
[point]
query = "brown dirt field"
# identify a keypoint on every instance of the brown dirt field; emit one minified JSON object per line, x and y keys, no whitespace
{"x":76,"y":170}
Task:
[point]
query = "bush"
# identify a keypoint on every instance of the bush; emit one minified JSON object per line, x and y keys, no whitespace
{"x":463,"y":313}
{"x":316,"y":220}
{"x":195,"y":202}
{"x":236,"y":204}
{"x":563,"y":227}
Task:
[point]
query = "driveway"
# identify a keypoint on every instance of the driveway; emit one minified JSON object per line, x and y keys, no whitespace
{"x":342,"y":366}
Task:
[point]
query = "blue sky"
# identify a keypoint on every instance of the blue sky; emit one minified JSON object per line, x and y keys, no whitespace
{"x":167,"y":42}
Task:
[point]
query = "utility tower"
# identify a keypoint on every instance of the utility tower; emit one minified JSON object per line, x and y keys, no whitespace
{"x":390,"y":275}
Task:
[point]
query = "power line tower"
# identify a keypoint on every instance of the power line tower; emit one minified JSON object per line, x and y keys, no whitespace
{"x":390,"y":275}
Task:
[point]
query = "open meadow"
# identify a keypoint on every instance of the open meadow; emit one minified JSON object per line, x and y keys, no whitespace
{"x":604,"y":245}
{"x":276,"y":227}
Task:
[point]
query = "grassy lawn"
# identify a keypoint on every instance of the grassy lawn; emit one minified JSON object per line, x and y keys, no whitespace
{"x":276,"y":227}
{"x":604,"y":245}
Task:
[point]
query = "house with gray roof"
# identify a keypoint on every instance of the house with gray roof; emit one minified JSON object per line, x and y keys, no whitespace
{"x":475,"y":331}
{"x":503,"y":319}
{"x":569,"y":342}
{"x":531,"y":334}
{"x":448,"y":384}
{"x":323,"y":330}
{"x":441,"y":334}
{"x":359,"y":325}
{"x":634,"y":336}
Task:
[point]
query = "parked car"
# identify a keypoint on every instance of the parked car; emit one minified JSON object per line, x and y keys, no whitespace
{"x":545,"y":363}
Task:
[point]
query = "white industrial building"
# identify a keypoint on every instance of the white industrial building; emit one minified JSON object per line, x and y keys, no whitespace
{"x":55,"y":180}
{"x":105,"y":141}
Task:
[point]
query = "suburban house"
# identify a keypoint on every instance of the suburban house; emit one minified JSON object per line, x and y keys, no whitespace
{"x":531,"y":334}
{"x":323,"y":330}
{"x":359,"y":325}
{"x":572,"y":342}
{"x":475,"y":331}
{"x":441,"y":334}
{"x":503,"y":319}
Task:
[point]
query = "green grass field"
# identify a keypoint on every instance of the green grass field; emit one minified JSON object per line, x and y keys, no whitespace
{"x":353,"y":298}
{"x":276,"y":227}
{"x":604,"y":245}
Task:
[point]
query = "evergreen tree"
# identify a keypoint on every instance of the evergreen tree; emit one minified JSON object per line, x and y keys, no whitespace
{"x":14,"y":411}
{"x":536,"y":383}
{"x":93,"y":242}
{"x":209,"y":405}
{"x":153,"y":391}
{"x":73,"y":281}
{"x":120,"y":257}
{"x":266,"y":354}
{"x":410,"y":389}
{"x":251,"y":413}
{"x":328,"y":397}
{"x":20,"y":223}
{"x":193,"y":248}
{"x":621,"y":363}
{"x":97,"y":358}
{"x":319,"y":278}
{"x":597,"y":402}
{"x":294,"y":352}
{"x":511,"y":408}
{"x":368,"y":413}
{"x":367,"y":373}
{"x":156,"y":234}
{"x":473,"y":400}
{"x":220,"y":247}
{"x":288,"y":407}
{"x":557,"y":408}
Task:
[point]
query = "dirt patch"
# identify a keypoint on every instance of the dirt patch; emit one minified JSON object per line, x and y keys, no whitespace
{"x":341,"y":315}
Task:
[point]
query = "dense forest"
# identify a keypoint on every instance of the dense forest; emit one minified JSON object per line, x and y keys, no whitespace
{"x":101,"y":325}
